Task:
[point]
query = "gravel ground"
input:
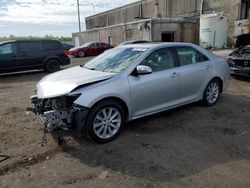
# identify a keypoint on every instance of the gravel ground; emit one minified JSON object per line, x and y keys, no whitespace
{"x":192,"y":146}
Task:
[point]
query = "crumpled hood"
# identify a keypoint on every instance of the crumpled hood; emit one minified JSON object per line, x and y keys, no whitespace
{"x":63,"y":82}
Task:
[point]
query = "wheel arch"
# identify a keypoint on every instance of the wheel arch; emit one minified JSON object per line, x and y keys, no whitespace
{"x":82,"y":50}
{"x":47,"y":59}
{"x":220,"y":81}
{"x":118,"y":100}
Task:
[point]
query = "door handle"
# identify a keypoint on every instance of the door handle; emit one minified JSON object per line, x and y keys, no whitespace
{"x":208,"y":67}
{"x":174,"y":75}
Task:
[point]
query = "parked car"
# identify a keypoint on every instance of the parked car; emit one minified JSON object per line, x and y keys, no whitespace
{"x":48,"y":55}
{"x":88,"y":49}
{"x":239,"y":61}
{"x":134,"y":42}
{"x":127,"y":83}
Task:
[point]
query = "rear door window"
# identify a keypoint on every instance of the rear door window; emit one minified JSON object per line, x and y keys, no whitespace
{"x":28,"y":47}
{"x":6,"y":49}
{"x":188,"y":56}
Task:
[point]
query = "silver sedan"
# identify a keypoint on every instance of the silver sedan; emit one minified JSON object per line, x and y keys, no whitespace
{"x":126,"y":83}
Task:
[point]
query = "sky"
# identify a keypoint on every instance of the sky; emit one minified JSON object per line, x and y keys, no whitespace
{"x":49,"y":17}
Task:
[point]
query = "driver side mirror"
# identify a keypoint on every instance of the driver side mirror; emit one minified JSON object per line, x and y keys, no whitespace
{"x":143,"y":69}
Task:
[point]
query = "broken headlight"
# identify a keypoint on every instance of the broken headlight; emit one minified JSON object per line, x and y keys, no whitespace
{"x":63,"y":103}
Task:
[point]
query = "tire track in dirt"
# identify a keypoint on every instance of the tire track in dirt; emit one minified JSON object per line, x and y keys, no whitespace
{"x":24,"y":162}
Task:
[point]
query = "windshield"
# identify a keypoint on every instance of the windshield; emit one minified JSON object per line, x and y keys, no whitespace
{"x":86,"y":44}
{"x":241,"y":50}
{"x":115,"y":60}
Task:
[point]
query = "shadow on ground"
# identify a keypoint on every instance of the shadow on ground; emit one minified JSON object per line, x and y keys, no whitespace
{"x":27,"y":76}
{"x":173,"y":144}
{"x":242,"y":78}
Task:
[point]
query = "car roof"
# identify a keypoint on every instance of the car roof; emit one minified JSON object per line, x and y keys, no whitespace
{"x":155,"y":45}
{"x":94,"y":42}
{"x":39,"y":40}
{"x":4,"y":42}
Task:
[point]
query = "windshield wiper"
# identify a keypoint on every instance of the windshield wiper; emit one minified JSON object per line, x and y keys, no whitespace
{"x":87,"y":67}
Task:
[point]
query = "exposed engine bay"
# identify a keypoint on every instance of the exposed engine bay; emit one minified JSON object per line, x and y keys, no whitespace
{"x":55,"y":112}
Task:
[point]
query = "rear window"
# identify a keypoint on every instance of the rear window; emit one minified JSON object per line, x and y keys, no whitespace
{"x":51,"y":45}
{"x":246,"y":49}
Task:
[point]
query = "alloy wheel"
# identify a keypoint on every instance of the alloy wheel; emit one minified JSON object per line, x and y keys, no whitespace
{"x":107,"y":122}
{"x":212,"y":93}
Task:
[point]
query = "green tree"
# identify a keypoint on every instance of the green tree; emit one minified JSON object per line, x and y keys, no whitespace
{"x":48,"y":37}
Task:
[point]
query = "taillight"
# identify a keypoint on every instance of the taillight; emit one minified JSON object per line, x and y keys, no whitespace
{"x":230,"y":62}
{"x":66,"y":52}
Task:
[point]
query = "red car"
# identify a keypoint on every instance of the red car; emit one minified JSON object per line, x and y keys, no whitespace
{"x":88,"y":49}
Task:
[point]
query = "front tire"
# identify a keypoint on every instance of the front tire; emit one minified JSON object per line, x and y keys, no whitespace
{"x":105,"y":121}
{"x":212,"y":93}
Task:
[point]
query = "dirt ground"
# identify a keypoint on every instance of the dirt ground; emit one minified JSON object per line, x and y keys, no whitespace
{"x":192,"y":146}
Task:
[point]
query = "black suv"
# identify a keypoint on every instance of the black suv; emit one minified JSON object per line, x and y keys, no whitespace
{"x":48,"y":55}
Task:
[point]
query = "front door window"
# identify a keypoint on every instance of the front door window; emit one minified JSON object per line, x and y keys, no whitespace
{"x":7,"y":49}
{"x":160,"y":59}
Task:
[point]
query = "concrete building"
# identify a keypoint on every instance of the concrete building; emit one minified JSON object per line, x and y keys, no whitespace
{"x":170,"y":20}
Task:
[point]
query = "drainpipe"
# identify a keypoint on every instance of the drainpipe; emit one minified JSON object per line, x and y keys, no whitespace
{"x":201,"y":8}
{"x":125,"y":24}
{"x":140,"y":9}
{"x":150,"y":31}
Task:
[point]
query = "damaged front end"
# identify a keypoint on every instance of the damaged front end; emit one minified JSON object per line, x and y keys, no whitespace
{"x":57,"y":112}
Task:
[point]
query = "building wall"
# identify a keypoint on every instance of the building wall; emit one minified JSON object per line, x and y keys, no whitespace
{"x":168,"y":8}
{"x":183,"y":32}
{"x":119,"y":33}
{"x":144,"y":9}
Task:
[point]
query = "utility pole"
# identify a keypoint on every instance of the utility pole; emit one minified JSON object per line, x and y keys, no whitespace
{"x":79,"y":19}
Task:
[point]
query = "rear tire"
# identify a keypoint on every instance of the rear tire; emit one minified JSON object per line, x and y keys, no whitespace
{"x":81,"y":54}
{"x":211,"y":93}
{"x":104,"y":121}
{"x":52,"y":66}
